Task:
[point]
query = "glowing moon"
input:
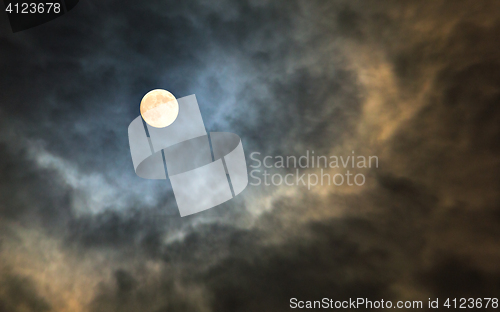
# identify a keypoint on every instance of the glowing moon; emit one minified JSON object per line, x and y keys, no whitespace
{"x":159,"y":108}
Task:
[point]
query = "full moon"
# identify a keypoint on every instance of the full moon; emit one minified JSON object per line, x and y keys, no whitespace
{"x":159,"y":108}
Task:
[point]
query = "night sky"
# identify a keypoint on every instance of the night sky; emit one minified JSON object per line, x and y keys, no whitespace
{"x":415,"y":83}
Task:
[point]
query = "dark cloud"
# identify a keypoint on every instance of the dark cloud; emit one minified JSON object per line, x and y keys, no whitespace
{"x":333,"y":258}
{"x":18,"y":293}
{"x":416,"y":83}
{"x":29,"y":194}
{"x":452,"y":277}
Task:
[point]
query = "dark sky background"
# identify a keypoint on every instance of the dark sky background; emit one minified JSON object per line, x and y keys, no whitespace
{"x":416,"y":83}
